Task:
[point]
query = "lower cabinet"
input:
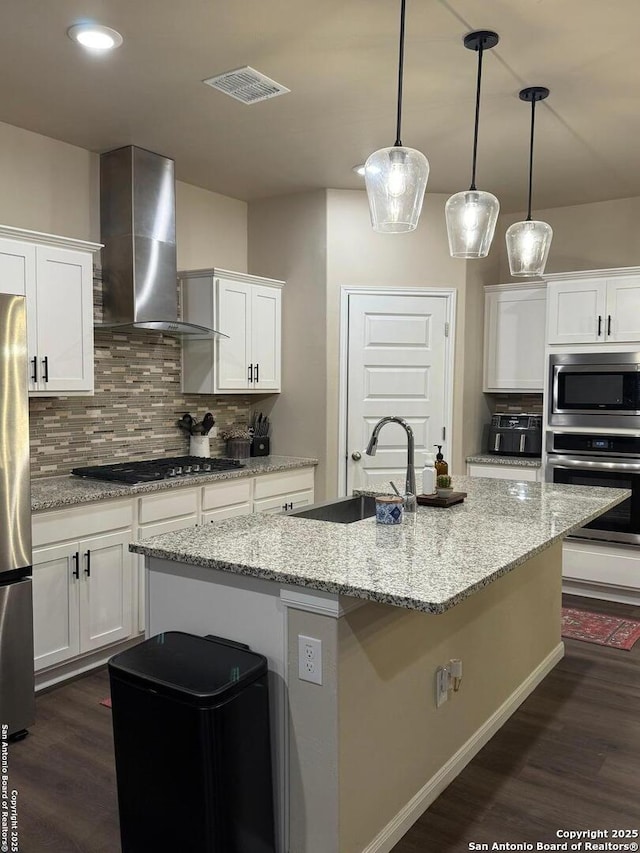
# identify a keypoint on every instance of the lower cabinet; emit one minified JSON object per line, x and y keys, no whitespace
{"x":277,"y":493}
{"x":82,"y":596}
{"x":505,"y":472}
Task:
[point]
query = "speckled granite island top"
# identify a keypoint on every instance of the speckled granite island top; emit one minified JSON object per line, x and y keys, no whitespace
{"x":57,"y":492}
{"x":517,"y":461}
{"x":433,"y":561}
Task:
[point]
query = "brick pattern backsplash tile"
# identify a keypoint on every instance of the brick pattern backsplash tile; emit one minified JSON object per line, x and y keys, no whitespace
{"x":134,"y":410}
{"x":515,"y":403}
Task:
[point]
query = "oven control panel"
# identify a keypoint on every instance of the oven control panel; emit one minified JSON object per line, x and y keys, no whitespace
{"x":609,"y":445}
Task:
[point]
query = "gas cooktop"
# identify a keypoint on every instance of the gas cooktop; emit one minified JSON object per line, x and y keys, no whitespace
{"x":153,"y":470}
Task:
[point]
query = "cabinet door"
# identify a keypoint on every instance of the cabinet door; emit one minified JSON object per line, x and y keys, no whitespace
{"x":577,"y":311}
{"x":283,"y":503}
{"x":233,"y":319}
{"x":623,"y":309}
{"x":515,"y":324}
{"x":265,"y":337}
{"x":64,"y":316}
{"x":17,"y":266}
{"x":56,"y":633}
{"x":503,"y":472}
{"x":106,"y":590}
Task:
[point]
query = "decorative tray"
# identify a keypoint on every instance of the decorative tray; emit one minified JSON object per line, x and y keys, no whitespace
{"x":434,"y":500}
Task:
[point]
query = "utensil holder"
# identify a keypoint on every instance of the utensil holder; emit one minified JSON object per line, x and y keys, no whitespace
{"x":199,"y":446}
{"x":238,"y":448}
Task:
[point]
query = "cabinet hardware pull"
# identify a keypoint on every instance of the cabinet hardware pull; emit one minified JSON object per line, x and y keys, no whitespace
{"x":257,"y":372}
{"x":87,"y":571}
{"x":609,"y":325}
{"x":76,"y":571}
{"x":34,"y":377}
{"x":45,"y":362}
{"x":250,"y":373}
{"x":599,"y":325}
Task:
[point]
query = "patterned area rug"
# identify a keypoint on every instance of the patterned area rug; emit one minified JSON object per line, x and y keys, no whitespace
{"x":601,"y":629}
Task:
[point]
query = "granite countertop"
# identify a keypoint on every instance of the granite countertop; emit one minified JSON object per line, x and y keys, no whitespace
{"x":431,"y":562}
{"x":57,"y":492}
{"x":518,"y":461}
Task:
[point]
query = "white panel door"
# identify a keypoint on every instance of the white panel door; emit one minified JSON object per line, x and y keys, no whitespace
{"x":234,"y":352}
{"x":64,"y":306}
{"x":577,"y":311}
{"x":56,"y":636}
{"x":106,"y":590}
{"x":265,"y":338}
{"x":396,"y":366}
{"x":623,"y":309}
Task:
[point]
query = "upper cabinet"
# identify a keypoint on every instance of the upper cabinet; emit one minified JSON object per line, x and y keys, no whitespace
{"x":248,"y":310}
{"x":594,"y":307}
{"x":56,"y":277}
{"x":514,"y":337}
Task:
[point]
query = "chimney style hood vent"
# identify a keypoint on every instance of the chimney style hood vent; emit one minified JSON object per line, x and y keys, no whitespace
{"x":138,"y":229}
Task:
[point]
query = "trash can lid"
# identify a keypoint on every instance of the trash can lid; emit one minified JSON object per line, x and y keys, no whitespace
{"x":182,"y":663}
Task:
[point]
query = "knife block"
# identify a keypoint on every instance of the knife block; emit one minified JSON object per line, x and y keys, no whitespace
{"x":260,"y":446}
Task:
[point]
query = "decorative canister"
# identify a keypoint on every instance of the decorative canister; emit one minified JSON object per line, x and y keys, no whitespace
{"x":199,"y":446}
{"x":389,"y":509}
{"x":238,"y":448}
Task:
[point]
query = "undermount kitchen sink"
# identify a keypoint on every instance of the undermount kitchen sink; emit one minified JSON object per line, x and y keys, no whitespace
{"x":340,"y":511}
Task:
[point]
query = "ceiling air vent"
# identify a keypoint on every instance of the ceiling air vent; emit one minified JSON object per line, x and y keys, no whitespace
{"x":246,"y":85}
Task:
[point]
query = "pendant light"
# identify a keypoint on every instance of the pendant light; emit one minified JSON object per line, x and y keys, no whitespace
{"x":472,"y":215}
{"x":528,"y":242}
{"x":396,"y":177}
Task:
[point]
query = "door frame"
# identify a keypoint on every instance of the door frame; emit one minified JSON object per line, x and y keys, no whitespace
{"x":449,"y":295}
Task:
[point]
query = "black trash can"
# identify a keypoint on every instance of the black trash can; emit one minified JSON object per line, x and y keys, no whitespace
{"x":192,"y":746}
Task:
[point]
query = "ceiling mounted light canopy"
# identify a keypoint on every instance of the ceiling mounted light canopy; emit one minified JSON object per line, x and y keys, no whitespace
{"x":472,"y":215}
{"x":396,"y":177}
{"x":95,"y":36}
{"x":528,"y":242}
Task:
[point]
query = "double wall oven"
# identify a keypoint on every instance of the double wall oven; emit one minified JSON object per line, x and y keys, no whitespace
{"x":594,"y":399}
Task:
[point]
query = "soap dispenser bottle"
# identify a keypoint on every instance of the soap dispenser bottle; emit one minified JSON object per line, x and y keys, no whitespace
{"x":441,"y":466}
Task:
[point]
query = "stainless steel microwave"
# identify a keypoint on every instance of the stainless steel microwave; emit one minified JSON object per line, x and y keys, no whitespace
{"x":595,"y":390}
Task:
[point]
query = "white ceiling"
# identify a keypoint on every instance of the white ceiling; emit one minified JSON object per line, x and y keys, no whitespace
{"x":339,"y":59}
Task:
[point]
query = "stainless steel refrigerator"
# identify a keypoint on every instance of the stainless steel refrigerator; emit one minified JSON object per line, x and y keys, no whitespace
{"x":17,"y":701}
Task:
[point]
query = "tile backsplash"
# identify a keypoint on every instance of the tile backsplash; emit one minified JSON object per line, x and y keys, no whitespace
{"x":133,"y":412}
{"x":515,"y":403}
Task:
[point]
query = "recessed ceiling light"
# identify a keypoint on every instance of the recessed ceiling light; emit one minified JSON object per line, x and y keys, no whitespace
{"x":359,"y":170}
{"x":95,"y":37}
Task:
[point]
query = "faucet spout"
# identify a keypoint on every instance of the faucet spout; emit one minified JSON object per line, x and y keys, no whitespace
{"x":410,"y":482}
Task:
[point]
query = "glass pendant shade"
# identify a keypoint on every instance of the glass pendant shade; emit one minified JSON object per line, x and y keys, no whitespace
{"x":528,"y":245}
{"x":471,"y":222}
{"x":396,"y":180}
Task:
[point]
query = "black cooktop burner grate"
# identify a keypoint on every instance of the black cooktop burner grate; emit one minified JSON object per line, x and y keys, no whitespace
{"x":153,"y":470}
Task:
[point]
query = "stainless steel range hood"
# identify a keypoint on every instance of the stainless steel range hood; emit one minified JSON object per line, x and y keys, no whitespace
{"x":138,"y":229}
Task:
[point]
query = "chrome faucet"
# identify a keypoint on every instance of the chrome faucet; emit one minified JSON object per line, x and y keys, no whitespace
{"x":410,"y":483}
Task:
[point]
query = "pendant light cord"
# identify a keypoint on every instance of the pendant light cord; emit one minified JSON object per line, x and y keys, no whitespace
{"x":533,"y":122}
{"x":477,"y":122}
{"x":398,"y":142}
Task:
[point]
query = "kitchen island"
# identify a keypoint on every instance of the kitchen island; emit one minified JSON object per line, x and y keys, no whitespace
{"x":360,"y":756}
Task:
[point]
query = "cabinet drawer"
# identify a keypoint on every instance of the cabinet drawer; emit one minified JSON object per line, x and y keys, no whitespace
{"x":226,"y":494}
{"x":600,"y":564}
{"x":503,"y":472}
{"x":226,"y":512}
{"x":269,"y":485}
{"x":168,"y":505}
{"x":80,"y":522}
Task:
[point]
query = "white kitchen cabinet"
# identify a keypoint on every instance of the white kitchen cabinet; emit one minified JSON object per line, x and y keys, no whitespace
{"x":56,"y":276}
{"x":514,"y":338}
{"x":226,"y":500}
{"x":82,"y":584}
{"x":602,"y":306}
{"x":524,"y":473}
{"x":248,"y":310}
{"x":277,"y":493}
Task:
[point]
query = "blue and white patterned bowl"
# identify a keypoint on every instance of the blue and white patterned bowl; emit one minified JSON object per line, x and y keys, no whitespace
{"x":389,"y":509}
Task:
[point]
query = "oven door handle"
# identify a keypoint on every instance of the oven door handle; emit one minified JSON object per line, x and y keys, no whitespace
{"x":592,"y":464}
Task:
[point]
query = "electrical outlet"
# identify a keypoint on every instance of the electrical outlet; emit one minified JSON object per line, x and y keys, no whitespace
{"x":309,"y":659}
{"x":442,"y":685}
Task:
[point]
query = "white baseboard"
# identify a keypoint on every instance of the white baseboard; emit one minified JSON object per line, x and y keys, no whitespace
{"x":606,"y":593}
{"x":386,"y":840}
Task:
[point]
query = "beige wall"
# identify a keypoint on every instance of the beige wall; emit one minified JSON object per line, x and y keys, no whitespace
{"x":211,"y":230}
{"x":586,"y":236}
{"x":393,"y":738}
{"x":287,"y":240}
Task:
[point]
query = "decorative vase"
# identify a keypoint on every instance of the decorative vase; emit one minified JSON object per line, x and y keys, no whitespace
{"x":238,"y":448}
{"x":199,"y":446}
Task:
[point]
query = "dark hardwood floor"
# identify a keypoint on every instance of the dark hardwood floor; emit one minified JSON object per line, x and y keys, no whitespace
{"x":568,"y":758}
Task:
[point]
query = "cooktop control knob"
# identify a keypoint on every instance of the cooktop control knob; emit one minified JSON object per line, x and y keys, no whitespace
{"x":171,"y":472}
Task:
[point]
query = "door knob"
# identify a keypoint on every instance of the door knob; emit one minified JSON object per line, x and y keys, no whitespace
{"x":356,"y":456}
